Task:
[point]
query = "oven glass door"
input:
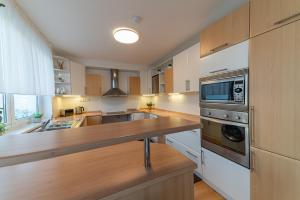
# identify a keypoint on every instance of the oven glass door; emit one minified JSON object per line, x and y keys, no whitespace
{"x":217,"y":91}
{"x":228,"y":136}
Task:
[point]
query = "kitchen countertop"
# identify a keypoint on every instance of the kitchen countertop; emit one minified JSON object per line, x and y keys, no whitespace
{"x":37,"y":146}
{"x":94,"y":174}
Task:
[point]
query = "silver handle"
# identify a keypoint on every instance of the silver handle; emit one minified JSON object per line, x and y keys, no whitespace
{"x":202,"y":157}
{"x":193,"y":155}
{"x":252,"y":160}
{"x":286,"y":19}
{"x":170,"y":141}
{"x":219,"y":47}
{"x":252,"y":125}
{"x":219,"y":70}
{"x":219,"y":121}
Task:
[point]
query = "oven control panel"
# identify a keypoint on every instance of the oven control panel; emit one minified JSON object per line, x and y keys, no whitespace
{"x":234,"y":116}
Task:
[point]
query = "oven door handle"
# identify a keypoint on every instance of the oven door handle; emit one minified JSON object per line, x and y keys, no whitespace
{"x":225,"y":122}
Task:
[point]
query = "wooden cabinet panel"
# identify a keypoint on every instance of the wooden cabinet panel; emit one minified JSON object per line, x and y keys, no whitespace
{"x":274,"y":177}
{"x":155,"y":84}
{"x":93,"y":120}
{"x":230,"y":30}
{"x":270,"y":14}
{"x":93,"y":85}
{"x":134,"y":85}
{"x":275,"y":90}
{"x":169,"y":80}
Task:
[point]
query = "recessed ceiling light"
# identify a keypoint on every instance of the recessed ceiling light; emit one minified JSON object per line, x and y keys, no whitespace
{"x":126,"y":35}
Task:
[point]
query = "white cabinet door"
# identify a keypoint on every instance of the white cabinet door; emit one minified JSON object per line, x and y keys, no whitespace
{"x":228,"y":178}
{"x":186,"y":72}
{"x":189,"y":138}
{"x":146,"y":82}
{"x":77,"y":79}
{"x":232,"y":58}
{"x":180,"y":71}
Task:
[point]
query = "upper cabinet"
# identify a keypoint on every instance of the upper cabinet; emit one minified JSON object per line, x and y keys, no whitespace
{"x":77,"y":78}
{"x":134,"y":85}
{"x":146,"y":87}
{"x":168,"y":78}
{"x":93,"y":85}
{"x":186,"y":66}
{"x":230,"y":30}
{"x":269,"y":14}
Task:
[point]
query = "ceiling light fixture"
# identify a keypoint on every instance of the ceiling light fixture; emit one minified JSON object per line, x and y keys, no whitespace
{"x":126,"y":35}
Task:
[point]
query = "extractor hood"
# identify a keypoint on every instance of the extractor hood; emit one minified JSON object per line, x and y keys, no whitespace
{"x":115,"y":90}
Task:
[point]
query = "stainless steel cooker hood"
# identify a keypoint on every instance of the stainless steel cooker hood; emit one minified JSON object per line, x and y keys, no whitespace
{"x":115,"y":90}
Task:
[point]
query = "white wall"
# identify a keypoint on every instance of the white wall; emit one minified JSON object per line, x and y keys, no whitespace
{"x":105,"y":104}
{"x":185,"y":103}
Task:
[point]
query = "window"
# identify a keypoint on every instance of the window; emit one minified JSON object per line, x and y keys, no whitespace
{"x":25,"y":106}
{"x":2,"y":108}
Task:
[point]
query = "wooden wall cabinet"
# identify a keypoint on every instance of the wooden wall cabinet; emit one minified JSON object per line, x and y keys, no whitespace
{"x":274,"y":177}
{"x":155,"y":84}
{"x":134,"y":85}
{"x":93,"y":85}
{"x":230,"y":30}
{"x":168,"y":80}
{"x":275,"y":90}
{"x":269,"y":14}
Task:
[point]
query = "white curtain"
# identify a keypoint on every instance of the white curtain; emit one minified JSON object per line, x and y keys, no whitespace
{"x":26,"y":65}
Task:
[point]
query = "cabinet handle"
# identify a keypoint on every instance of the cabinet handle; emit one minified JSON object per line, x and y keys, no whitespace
{"x":170,"y":141}
{"x":202,"y":157}
{"x":219,"y":47}
{"x":252,"y":161}
{"x":219,"y":70}
{"x":193,"y":155}
{"x":286,"y":19}
{"x":252,"y":125}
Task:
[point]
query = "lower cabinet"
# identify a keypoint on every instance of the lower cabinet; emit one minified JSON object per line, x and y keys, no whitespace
{"x":226,"y":177}
{"x":274,"y":177}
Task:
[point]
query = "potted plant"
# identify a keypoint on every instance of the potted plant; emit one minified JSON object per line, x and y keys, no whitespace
{"x":37,"y":117}
{"x":2,"y":129}
{"x":150,"y":105}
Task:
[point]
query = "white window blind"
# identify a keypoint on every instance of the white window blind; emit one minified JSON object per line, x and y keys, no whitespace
{"x":26,"y":65}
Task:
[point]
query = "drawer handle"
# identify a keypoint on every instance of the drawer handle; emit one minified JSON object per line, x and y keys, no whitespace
{"x":193,"y":155}
{"x":170,"y":141}
{"x":202,"y":157}
{"x":219,"y":70}
{"x":219,"y":47}
{"x":252,"y":125}
{"x":286,"y":19}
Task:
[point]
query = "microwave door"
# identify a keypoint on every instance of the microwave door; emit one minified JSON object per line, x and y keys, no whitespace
{"x":217,"y":92}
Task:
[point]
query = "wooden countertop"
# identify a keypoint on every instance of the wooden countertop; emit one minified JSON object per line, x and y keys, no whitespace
{"x":84,"y":175}
{"x":37,"y":146}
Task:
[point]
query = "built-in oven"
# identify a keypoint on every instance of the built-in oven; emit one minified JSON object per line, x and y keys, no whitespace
{"x":227,"y":91}
{"x":226,"y":138}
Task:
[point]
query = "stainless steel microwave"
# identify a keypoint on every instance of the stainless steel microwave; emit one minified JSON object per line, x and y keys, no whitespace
{"x":228,"y":90}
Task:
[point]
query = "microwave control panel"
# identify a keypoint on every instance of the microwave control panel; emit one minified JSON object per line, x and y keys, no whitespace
{"x":239,"y":91}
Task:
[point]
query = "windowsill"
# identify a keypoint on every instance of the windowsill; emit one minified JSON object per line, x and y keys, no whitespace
{"x":24,"y":129}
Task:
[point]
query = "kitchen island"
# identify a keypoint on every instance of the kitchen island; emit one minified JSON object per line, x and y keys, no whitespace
{"x":110,"y":173}
{"x":69,"y":163}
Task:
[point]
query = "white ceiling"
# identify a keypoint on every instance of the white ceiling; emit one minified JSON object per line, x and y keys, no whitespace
{"x":83,"y":28}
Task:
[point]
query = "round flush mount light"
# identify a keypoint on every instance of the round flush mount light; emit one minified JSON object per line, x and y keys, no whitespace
{"x":126,"y":35}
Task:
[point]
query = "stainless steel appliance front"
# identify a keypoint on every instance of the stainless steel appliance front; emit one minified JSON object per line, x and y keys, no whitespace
{"x":226,"y":138}
{"x":226,"y":91}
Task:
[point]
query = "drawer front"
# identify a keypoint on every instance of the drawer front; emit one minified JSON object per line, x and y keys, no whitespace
{"x":189,"y":138}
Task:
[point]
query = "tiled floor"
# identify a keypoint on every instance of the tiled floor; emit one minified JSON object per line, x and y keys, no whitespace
{"x":204,"y":192}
